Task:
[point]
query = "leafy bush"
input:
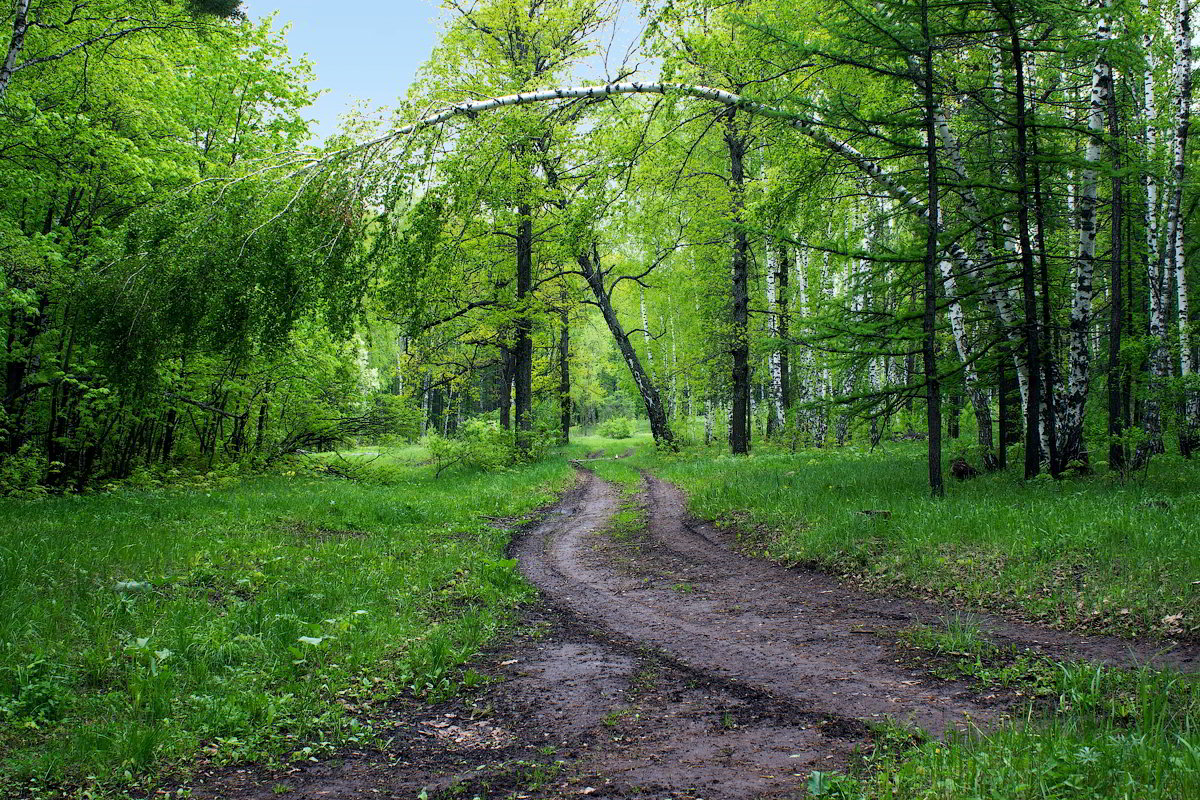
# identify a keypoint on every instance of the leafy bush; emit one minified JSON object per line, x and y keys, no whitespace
{"x":616,"y":428}
{"x":478,"y":443}
{"x":22,"y":471}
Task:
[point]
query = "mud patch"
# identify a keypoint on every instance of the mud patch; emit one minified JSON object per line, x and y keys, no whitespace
{"x":574,"y":713}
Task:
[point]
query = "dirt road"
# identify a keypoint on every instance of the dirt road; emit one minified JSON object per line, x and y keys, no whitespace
{"x":664,"y":664}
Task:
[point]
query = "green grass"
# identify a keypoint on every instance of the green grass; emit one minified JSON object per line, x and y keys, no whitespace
{"x":1088,"y":732}
{"x":256,"y":619}
{"x":1092,"y":552}
{"x":1095,"y":552}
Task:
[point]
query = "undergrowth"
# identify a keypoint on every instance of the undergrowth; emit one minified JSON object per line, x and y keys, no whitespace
{"x":260,"y":620}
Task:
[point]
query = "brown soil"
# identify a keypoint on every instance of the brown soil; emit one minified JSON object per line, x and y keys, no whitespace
{"x":665,"y":665}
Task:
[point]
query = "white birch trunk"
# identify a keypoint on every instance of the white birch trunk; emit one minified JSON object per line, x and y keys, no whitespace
{"x":1159,"y":363}
{"x":775,"y":358}
{"x":16,"y":44}
{"x":1071,"y":444}
{"x":1175,"y":243}
{"x":647,"y":339}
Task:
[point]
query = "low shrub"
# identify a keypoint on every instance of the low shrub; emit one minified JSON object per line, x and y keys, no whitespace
{"x":616,"y":428}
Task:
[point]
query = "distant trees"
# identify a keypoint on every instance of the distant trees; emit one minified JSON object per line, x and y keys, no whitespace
{"x":826,"y":223}
{"x":1003,"y":133}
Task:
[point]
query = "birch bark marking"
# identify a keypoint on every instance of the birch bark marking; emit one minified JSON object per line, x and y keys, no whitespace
{"x":1072,"y":446}
{"x":1175,"y":241}
{"x":1159,"y":363}
{"x":15,"y":45}
{"x":778,"y":417}
{"x":646,"y":338}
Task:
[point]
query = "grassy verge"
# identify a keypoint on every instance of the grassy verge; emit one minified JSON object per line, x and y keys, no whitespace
{"x":255,"y":620}
{"x":1088,"y":732}
{"x":1094,"y":552}
{"x":1097,"y":552}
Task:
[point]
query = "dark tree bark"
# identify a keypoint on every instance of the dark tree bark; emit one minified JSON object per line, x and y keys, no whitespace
{"x":506,"y":384}
{"x":739,"y":428}
{"x":523,"y":348}
{"x":781,"y":281}
{"x":589,"y":265}
{"x":933,"y":389}
{"x":1004,"y":412}
{"x":1033,"y":448}
{"x":564,"y":377}
{"x":1116,"y":421}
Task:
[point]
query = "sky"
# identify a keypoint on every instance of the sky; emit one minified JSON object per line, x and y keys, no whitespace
{"x":370,"y":50}
{"x":362,"y":50}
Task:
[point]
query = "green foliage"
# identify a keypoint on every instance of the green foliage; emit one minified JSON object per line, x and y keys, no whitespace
{"x":616,"y":428}
{"x":478,"y":444}
{"x":260,"y":620}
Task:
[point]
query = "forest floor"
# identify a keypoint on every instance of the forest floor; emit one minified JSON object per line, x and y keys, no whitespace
{"x":663,"y":663}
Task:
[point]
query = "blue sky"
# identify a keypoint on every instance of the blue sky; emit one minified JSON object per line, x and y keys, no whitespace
{"x":369,"y":50}
{"x":361,"y":49}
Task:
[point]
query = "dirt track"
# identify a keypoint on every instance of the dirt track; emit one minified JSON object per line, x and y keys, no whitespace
{"x":666,"y":665}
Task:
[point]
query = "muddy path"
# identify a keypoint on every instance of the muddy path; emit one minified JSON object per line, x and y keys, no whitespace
{"x":664,"y":664}
{"x":796,"y":635}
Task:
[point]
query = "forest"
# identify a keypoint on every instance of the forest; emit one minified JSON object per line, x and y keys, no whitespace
{"x":811,"y":387}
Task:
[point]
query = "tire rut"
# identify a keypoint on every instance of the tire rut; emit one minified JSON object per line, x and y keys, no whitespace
{"x":795,"y":635}
{"x":663,"y":665}
{"x":737,"y":620}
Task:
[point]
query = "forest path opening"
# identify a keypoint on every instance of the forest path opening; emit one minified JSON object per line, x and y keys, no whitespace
{"x":662,"y":663}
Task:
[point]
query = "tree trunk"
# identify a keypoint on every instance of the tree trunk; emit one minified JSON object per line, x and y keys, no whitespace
{"x":1116,"y":450}
{"x":564,"y":377}
{"x":646,"y":337}
{"x":1003,"y":412}
{"x":655,"y":412}
{"x":1049,"y":426}
{"x":15,"y":45}
{"x":1072,"y":446}
{"x":1160,"y":369}
{"x":506,"y":381}
{"x":739,"y":431}
{"x":523,"y":348}
{"x":776,"y":328}
{"x":1190,"y":424}
{"x":933,"y":389}
{"x":954,"y":310}
{"x":1033,"y":402}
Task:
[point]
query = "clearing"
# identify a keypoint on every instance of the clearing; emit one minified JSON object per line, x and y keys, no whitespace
{"x":663,"y":663}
